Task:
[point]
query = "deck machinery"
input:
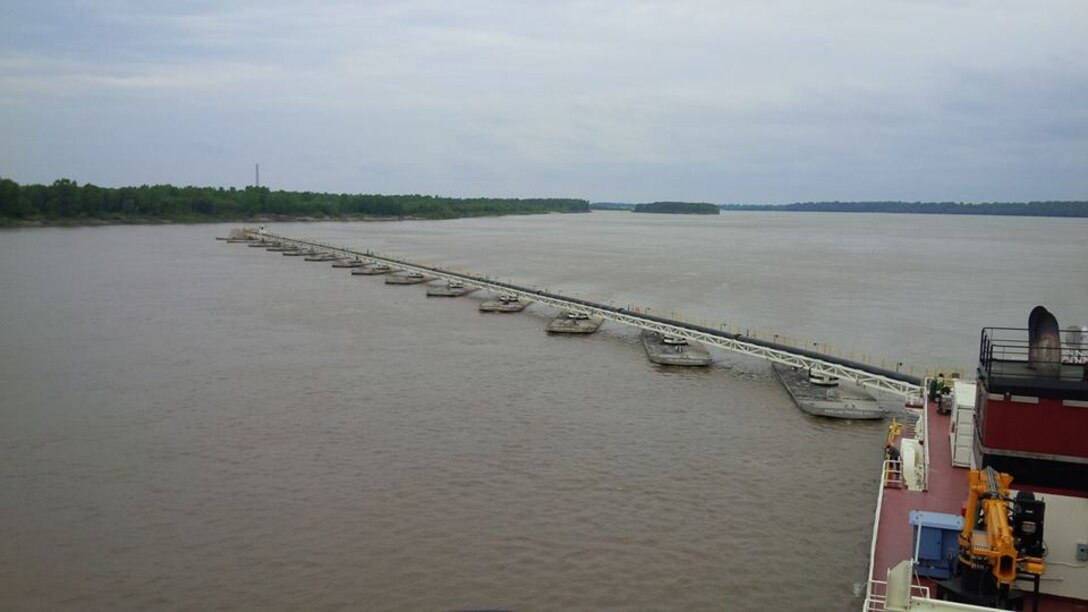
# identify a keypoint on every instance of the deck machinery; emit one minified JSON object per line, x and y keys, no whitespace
{"x":1001,"y":541}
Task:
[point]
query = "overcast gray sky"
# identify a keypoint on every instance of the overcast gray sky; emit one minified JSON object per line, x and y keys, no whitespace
{"x":761,"y":101}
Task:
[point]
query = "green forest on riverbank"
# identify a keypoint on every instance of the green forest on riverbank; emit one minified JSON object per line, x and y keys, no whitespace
{"x":66,"y":201}
{"x":1024,"y":209}
{"x":678,"y":208}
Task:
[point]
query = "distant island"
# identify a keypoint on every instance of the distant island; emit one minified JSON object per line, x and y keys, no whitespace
{"x":678,"y":208}
{"x":611,"y":206}
{"x":67,"y":203}
{"x":1026,"y":209}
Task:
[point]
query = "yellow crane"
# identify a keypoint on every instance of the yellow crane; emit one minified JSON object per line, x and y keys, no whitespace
{"x":994,"y":536}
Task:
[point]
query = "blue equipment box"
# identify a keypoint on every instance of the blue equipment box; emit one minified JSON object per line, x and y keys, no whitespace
{"x":938,"y":547}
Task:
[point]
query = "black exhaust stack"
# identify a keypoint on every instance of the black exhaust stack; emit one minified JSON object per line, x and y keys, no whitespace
{"x":1044,"y":343}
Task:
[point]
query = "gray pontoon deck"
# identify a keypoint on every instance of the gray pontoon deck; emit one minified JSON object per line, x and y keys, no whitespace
{"x":410,"y":278}
{"x":450,"y":290}
{"x":838,"y":402}
{"x":504,"y":303}
{"x":572,"y":323}
{"x":670,"y":350}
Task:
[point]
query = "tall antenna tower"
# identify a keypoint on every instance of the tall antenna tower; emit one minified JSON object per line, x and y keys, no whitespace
{"x":258,"y":173}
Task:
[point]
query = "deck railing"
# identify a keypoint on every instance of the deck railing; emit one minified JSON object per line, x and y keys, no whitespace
{"x":921,"y":433}
{"x":893,"y":474}
{"x":1004,"y":351}
{"x":877,"y":595}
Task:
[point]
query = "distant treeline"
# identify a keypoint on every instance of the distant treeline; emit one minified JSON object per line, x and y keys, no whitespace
{"x":1033,"y":209}
{"x":678,"y":208}
{"x":65,"y":200}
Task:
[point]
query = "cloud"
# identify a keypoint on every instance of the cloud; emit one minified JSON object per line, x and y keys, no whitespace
{"x":719,"y":101}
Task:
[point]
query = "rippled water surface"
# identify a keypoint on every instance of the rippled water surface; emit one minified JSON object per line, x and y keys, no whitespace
{"x":188,"y":424}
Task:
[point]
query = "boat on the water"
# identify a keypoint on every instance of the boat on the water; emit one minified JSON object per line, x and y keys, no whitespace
{"x":407,"y":278}
{"x":451,"y":288}
{"x":664,"y":349}
{"x":985,"y":506}
{"x":320,"y":257}
{"x":574,"y":323}
{"x":504,"y":303}
{"x":354,"y":262}
{"x":372,"y":269}
{"x":823,"y":396}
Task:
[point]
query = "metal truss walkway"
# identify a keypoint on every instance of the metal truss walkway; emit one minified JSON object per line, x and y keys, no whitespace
{"x":859,"y":373}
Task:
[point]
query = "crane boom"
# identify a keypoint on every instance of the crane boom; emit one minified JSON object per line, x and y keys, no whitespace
{"x":988,"y":540}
